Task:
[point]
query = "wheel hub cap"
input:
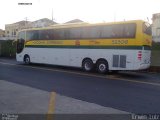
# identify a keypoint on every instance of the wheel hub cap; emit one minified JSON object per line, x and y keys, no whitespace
{"x":102,"y":67}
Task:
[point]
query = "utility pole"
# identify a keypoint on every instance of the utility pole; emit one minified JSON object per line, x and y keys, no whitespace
{"x":114,"y":16}
{"x":147,"y":19}
{"x":26,"y":22}
{"x":52,"y":14}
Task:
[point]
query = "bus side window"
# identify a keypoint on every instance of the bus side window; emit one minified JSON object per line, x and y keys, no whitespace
{"x":112,"y":31}
{"x":106,"y":32}
{"x":51,"y":34}
{"x":95,"y":32}
{"x":75,"y":33}
{"x":130,"y":30}
{"x":86,"y":32}
{"x":35,"y":35}
{"x":118,"y":31}
{"x":32,"y":35}
{"x":67,"y":34}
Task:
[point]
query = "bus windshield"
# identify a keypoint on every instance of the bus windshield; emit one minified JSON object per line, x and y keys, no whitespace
{"x":20,"y":41}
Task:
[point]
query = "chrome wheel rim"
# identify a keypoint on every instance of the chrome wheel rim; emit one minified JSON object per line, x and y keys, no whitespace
{"x":102,"y":67}
{"x":87,"y":66}
{"x":27,"y":60}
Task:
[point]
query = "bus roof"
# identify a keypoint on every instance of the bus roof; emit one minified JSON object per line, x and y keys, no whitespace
{"x":82,"y":24}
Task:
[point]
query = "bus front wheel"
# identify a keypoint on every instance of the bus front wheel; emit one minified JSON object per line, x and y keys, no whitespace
{"x":102,"y":66}
{"x":26,"y":59}
{"x":87,"y":65}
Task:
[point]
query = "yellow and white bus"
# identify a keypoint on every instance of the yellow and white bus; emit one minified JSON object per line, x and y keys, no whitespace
{"x":105,"y":46}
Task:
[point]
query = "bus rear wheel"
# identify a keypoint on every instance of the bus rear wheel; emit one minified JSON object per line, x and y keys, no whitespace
{"x":26,"y":59}
{"x":102,"y":66}
{"x":87,"y":65}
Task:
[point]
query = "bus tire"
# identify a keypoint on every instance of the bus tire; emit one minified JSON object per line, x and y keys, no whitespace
{"x":102,"y":66}
{"x":27,"y":59}
{"x":87,"y":65}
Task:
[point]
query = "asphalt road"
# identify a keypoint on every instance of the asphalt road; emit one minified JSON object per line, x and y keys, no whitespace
{"x":133,"y":92}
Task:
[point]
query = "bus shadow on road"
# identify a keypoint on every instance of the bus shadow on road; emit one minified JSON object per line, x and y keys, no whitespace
{"x":132,"y":75}
{"x":54,"y":67}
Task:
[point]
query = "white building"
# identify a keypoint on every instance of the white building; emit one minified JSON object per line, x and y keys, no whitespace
{"x":11,"y":30}
{"x":156,"y":27}
{"x":42,"y":23}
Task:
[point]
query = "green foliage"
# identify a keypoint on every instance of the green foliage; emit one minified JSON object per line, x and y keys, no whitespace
{"x":156,"y":46}
{"x":8,"y":49}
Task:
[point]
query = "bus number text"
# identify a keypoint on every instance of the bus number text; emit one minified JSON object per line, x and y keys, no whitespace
{"x":121,"y":42}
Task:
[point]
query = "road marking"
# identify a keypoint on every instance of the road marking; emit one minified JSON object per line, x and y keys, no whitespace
{"x":85,"y":74}
{"x":51,"y":106}
{"x":7,"y":63}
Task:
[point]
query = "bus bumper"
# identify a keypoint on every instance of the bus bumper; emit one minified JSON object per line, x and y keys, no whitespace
{"x":143,"y":66}
{"x":19,"y":57}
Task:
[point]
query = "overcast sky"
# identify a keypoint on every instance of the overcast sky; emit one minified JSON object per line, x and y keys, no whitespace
{"x":86,"y":10}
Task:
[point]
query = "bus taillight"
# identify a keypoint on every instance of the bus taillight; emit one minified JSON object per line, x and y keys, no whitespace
{"x":139,"y":56}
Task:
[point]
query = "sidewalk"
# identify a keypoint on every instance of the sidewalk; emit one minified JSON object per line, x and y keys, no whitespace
{"x":20,"y":99}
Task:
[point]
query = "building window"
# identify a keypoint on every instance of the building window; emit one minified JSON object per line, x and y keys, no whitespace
{"x":14,"y":32}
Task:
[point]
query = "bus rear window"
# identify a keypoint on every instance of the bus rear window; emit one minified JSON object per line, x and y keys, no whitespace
{"x":147,"y":29}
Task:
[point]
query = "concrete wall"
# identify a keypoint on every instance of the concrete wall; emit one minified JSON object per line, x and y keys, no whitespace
{"x":2,"y":33}
{"x":156,"y":27}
